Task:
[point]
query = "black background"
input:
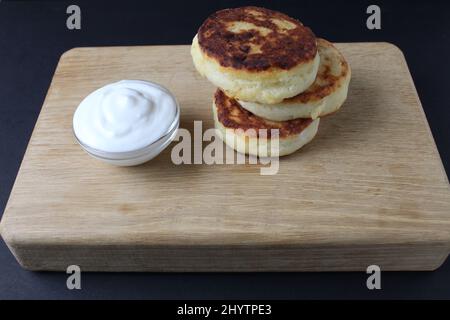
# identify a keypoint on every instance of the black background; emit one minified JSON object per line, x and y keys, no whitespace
{"x":32,"y":37}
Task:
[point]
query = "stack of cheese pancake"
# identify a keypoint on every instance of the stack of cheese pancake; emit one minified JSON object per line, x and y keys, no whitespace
{"x":271,"y":73}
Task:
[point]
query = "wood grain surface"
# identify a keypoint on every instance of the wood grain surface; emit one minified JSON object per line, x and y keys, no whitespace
{"x":369,"y":189}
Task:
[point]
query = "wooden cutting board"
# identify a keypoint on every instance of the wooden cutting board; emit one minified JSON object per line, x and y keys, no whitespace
{"x":370,"y":189}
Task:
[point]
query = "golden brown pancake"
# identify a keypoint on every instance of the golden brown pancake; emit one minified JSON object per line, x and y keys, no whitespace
{"x":256,"y":39}
{"x":324,"y":96}
{"x":233,"y":116}
{"x":238,"y":128}
{"x":327,"y":80}
{"x":255,"y":54}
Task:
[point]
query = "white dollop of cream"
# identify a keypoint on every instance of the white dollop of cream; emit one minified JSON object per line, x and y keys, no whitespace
{"x":124,"y":116}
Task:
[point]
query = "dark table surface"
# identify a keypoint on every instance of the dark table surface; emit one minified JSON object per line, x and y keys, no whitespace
{"x":32,"y":37}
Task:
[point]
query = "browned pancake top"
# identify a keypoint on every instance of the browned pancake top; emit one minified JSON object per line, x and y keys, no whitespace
{"x":233,"y":116}
{"x":256,"y":39}
{"x":332,"y":69}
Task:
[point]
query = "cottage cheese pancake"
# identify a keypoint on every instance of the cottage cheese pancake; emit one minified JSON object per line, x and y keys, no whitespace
{"x":240,"y":129}
{"x":325,"y":96}
{"x":256,"y":54}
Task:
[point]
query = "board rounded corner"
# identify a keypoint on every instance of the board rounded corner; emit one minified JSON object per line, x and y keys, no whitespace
{"x":69,"y":52}
{"x":10,"y":236}
{"x":394,"y":47}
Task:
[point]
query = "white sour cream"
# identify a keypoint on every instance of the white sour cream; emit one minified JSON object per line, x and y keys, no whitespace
{"x":124,"y":116}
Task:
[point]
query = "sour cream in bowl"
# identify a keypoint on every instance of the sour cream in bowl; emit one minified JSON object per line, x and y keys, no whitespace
{"x":127,"y":123}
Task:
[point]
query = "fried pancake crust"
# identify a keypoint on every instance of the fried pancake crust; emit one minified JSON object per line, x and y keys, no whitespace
{"x":232,"y":116}
{"x":326,"y":95}
{"x":327,"y":79}
{"x":256,"y":39}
